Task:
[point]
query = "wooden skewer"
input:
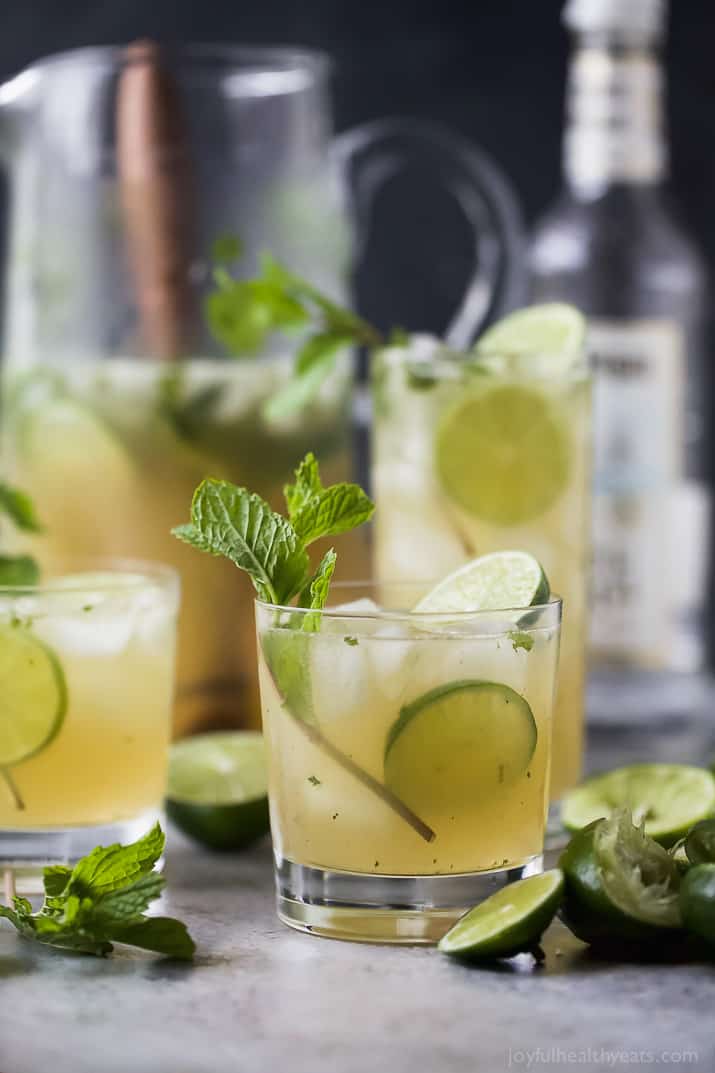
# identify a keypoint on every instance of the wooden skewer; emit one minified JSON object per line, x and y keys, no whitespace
{"x":8,"y":884}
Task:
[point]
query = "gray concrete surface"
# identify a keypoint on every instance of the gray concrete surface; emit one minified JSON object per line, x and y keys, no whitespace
{"x":261,"y":997}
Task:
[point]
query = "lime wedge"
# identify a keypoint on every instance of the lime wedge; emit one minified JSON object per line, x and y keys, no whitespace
{"x":669,"y":798}
{"x":217,"y":789}
{"x":60,"y":436}
{"x":499,"y":581}
{"x":502,"y":452}
{"x":457,"y":744}
{"x":511,"y":921}
{"x":34,"y":695}
{"x":621,"y":885}
{"x":551,"y":336}
{"x":697,"y":901}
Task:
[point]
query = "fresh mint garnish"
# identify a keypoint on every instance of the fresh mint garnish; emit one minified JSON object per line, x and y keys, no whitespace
{"x":103,"y":900}
{"x":239,"y":525}
{"x":18,"y":507}
{"x":243,"y":314}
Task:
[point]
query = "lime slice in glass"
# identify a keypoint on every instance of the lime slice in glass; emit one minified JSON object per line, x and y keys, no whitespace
{"x":34,"y":695}
{"x":458,"y":744}
{"x":60,"y":436}
{"x":697,"y":901}
{"x":511,"y":921}
{"x":217,"y":789}
{"x":668,"y":798}
{"x":502,"y":452}
{"x":550,"y":337}
{"x":499,"y":581}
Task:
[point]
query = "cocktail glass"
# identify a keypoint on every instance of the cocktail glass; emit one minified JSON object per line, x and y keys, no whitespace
{"x":408,"y":758}
{"x":87,"y":677}
{"x":473,"y":458}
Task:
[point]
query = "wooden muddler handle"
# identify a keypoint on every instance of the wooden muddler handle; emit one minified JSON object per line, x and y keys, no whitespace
{"x":154,"y":173}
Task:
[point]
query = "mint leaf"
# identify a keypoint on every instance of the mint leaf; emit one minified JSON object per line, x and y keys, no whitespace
{"x":230,"y":521}
{"x":19,"y":508}
{"x":307,"y":484}
{"x":520,"y":639}
{"x":18,"y":570}
{"x":321,"y":581}
{"x":55,"y":878}
{"x":287,"y":656}
{"x":163,"y":935}
{"x":125,"y":904}
{"x":314,"y":364}
{"x":334,"y":510}
{"x":108,"y":868}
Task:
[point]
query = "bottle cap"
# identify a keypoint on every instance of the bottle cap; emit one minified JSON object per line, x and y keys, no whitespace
{"x":625,"y":20}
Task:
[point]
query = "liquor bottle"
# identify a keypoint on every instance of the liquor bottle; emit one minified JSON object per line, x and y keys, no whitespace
{"x":611,"y":246}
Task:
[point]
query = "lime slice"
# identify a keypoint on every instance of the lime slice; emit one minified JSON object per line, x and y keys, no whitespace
{"x":217,"y":790}
{"x":551,"y":336}
{"x":621,"y":885}
{"x":669,"y":798}
{"x":60,"y":436}
{"x":502,"y":452}
{"x":697,"y":901}
{"x":457,"y":744}
{"x":499,"y":581}
{"x":509,"y":922}
{"x":34,"y":695}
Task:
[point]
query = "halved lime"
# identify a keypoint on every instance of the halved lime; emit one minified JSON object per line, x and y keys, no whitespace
{"x":494,"y":582}
{"x":697,"y":901}
{"x":554,"y":333}
{"x":621,"y":885}
{"x":511,"y":921}
{"x":33,"y":692}
{"x":669,"y":798}
{"x":502,"y":452}
{"x":458,"y":744}
{"x":217,"y":789}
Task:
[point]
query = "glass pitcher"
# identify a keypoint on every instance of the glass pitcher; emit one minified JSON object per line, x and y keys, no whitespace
{"x":123,"y":167}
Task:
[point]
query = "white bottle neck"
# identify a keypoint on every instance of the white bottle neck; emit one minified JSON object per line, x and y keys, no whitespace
{"x":614,"y":119}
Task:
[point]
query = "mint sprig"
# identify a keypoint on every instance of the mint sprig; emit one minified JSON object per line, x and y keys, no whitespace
{"x":102,"y":901}
{"x":243,"y":314}
{"x":17,"y":506}
{"x":239,"y":525}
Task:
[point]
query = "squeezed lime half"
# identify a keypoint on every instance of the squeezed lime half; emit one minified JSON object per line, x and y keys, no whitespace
{"x":458,"y":744}
{"x":553,"y":332}
{"x":33,"y":692}
{"x":511,"y":921}
{"x":668,"y":798}
{"x":494,"y":582}
{"x":217,"y":790}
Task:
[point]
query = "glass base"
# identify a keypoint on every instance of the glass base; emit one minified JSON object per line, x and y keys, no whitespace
{"x":383,"y":909}
{"x":23,"y":854}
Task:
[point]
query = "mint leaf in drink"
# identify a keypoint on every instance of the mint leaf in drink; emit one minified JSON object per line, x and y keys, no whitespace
{"x":320,"y":582}
{"x":18,"y":570}
{"x":233,"y":522}
{"x":226,"y":248}
{"x":103,"y":900}
{"x":315,"y":362}
{"x":18,"y":506}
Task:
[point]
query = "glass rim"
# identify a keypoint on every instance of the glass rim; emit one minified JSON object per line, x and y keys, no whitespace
{"x":442,"y":363}
{"x":555,"y":602}
{"x":285,"y":59}
{"x":150,"y":571}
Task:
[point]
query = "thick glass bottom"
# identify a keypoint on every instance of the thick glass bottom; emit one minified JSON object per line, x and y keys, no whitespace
{"x":23,"y":854}
{"x":383,"y":909}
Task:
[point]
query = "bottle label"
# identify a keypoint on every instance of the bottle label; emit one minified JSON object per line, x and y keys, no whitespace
{"x":638,"y":418}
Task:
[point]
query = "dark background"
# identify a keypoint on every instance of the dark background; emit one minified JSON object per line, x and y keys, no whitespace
{"x":493,"y":69}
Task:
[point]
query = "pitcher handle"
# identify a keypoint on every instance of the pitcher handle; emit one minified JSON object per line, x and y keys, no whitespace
{"x":372,"y":153}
